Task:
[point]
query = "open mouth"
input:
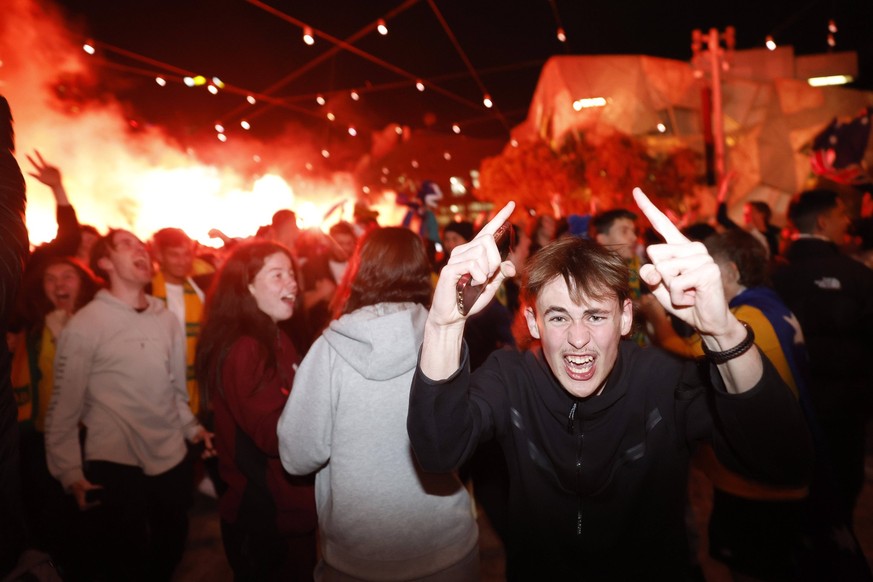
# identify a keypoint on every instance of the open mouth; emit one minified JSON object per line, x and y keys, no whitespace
{"x":580,"y":367}
{"x":290,"y":298}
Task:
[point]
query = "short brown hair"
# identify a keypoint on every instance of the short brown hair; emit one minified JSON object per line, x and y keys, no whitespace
{"x":171,"y":237}
{"x":101,"y":249}
{"x":588,"y":269}
{"x":747,"y":252}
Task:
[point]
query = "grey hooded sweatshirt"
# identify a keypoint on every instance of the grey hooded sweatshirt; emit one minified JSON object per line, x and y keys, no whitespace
{"x":381,"y":517}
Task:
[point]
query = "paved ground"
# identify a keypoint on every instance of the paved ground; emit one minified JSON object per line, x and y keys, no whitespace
{"x":204,"y":559}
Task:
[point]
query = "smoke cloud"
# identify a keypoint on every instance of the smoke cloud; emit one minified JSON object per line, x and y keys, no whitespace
{"x":140,"y":180}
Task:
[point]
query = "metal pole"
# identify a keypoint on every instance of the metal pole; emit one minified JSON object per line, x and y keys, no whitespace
{"x":717,"y":111}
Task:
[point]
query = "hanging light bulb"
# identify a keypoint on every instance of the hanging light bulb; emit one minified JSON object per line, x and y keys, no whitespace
{"x":308,"y":38}
{"x":189,"y":81}
{"x":419,"y":85}
{"x":251,"y":100}
{"x":89,"y":48}
{"x":354,"y":95}
{"x":832,"y":41}
{"x":325,"y":153}
{"x":161,"y":81}
{"x":486,"y":100}
{"x":245,"y":125}
{"x":212,"y":89}
{"x":320,"y":100}
{"x":352,"y":131}
{"x":562,"y":36}
{"x":770,"y":43}
{"x":456,"y":128}
{"x":832,"y":26}
{"x":331,"y":116}
{"x":219,"y":128}
{"x":222,"y":137}
{"x":382,"y":27}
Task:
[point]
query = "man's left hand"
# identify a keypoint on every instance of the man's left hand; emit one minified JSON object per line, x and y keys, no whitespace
{"x":683,"y":276}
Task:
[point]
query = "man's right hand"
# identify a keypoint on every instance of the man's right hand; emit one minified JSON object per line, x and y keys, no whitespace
{"x":481,"y":259}
{"x":79,"y":489}
{"x":441,"y":349}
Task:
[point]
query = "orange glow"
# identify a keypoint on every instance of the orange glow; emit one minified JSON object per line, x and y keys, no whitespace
{"x":199,"y":198}
{"x":143,"y":181}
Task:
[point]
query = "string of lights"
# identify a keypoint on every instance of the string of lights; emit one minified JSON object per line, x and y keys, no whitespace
{"x":365,"y":55}
{"x":770,"y":39}
{"x":317,"y":60}
{"x":258,"y":102}
{"x":560,"y":33}
{"x":486,"y":97}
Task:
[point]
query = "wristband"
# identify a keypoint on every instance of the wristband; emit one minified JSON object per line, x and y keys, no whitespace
{"x":736,"y":351}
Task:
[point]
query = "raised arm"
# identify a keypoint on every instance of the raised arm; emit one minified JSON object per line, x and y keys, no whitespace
{"x":69,"y":235}
{"x":687,"y":282}
{"x":444,"y":330}
{"x":50,"y":176}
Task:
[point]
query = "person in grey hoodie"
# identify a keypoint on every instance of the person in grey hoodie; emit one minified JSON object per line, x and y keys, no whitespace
{"x":380,"y":516}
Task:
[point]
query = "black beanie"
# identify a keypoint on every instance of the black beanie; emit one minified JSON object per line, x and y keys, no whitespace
{"x":463,"y":228}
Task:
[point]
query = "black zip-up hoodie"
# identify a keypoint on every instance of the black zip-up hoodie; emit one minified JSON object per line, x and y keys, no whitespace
{"x":598,"y":485}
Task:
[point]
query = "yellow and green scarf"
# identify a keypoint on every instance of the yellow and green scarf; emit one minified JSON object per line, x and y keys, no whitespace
{"x":193,"y":315}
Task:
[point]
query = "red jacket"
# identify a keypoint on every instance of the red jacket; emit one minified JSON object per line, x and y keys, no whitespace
{"x":260,"y":493}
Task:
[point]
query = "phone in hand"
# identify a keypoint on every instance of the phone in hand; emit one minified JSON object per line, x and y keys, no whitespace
{"x":469,"y":293}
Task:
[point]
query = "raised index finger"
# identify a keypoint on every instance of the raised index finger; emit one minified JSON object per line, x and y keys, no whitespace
{"x":659,"y":221}
{"x":498,"y":220}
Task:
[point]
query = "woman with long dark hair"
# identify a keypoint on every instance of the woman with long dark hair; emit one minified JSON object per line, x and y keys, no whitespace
{"x":246,"y":366}
{"x":380,"y":516}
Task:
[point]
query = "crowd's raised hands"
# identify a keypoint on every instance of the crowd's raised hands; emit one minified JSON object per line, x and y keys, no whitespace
{"x":44,"y":172}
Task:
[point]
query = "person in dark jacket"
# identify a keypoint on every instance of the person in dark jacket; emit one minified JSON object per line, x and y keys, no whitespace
{"x":596,"y":431}
{"x":13,"y":251}
{"x":832,"y":296}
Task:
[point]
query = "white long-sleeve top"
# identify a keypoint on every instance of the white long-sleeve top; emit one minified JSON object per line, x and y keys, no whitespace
{"x":121,"y":373}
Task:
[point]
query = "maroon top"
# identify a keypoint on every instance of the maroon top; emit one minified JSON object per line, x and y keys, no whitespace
{"x":260,"y":494}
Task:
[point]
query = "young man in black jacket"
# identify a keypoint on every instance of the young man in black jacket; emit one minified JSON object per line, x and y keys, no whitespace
{"x":832,"y":296}
{"x":596,"y":431}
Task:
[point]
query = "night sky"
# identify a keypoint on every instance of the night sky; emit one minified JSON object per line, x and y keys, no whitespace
{"x":505,"y":41}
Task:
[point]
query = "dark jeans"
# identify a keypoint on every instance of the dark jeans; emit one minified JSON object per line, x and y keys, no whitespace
{"x":139,"y":530}
{"x":53,"y":516}
{"x":267,"y":556}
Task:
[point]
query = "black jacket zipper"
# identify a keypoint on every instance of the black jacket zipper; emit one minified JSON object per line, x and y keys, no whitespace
{"x":571,"y":421}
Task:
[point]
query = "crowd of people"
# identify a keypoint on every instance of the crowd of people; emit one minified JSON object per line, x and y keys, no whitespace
{"x":351,"y":416}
